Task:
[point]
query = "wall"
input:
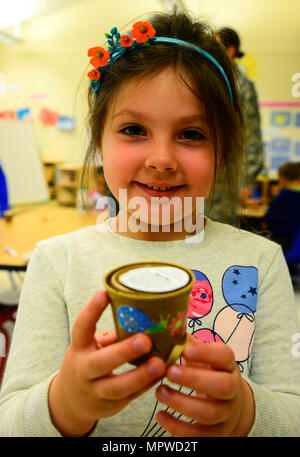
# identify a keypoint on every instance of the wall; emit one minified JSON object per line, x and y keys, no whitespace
{"x":270,"y":36}
{"x":53,"y":60}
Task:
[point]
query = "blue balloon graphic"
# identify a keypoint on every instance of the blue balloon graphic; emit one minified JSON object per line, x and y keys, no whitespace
{"x":240,"y":286}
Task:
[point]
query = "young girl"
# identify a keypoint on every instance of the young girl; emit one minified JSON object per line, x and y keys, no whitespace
{"x":165,"y":119}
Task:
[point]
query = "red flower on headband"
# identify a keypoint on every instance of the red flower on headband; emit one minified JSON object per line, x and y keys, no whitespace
{"x":126,"y":41}
{"x":141,"y":31}
{"x":94,"y":74}
{"x":100,"y":56}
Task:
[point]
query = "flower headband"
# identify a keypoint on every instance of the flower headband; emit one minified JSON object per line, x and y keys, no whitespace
{"x":142,"y":34}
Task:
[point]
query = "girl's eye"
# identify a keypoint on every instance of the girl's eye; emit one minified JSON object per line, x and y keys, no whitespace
{"x":133,"y":130}
{"x":192,"y":135}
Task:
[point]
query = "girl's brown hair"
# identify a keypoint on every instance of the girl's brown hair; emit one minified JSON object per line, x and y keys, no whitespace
{"x":225,"y":118}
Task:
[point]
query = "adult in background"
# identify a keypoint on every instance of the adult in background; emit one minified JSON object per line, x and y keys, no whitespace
{"x":224,"y":208}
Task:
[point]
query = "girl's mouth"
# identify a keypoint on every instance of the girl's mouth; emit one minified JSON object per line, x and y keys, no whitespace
{"x":159,"y":189}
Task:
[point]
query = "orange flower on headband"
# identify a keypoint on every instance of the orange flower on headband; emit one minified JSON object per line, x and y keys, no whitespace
{"x":126,"y":41}
{"x":94,"y":74}
{"x":100,"y":56}
{"x":141,"y":31}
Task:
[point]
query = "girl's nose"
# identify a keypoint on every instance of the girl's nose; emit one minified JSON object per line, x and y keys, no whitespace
{"x":161,"y":158}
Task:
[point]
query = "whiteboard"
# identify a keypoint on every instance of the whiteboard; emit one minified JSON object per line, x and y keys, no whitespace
{"x":22,"y":163}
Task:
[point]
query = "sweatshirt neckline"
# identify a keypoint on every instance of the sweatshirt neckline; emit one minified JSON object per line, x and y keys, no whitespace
{"x":190,"y":241}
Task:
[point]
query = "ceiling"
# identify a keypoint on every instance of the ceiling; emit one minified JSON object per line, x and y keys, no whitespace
{"x":14,"y":11}
{"x":269,"y":26}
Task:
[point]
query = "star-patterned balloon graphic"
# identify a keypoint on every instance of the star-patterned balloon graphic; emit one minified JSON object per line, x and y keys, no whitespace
{"x":240,"y":285}
{"x":234,"y":324}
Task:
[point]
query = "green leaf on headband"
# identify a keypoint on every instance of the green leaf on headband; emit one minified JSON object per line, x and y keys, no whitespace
{"x":108,"y":35}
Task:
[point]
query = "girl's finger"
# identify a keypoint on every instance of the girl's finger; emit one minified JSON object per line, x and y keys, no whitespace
{"x":181,"y":428}
{"x":104,"y":338}
{"x":108,"y":358}
{"x":218,"y":355}
{"x":222,"y":385}
{"x":206,"y":412}
{"x":130,"y":383}
{"x":84,"y":327}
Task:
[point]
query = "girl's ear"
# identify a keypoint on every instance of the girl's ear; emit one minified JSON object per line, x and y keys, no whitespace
{"x":100,"y":154}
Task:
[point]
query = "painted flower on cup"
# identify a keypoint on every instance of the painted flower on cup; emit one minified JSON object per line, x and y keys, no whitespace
{"x":141,"y":31}
{"x":126,"y":41}
{"x":178,"y":324}
{"x":94,"y":74}
{"x":100,"y":56}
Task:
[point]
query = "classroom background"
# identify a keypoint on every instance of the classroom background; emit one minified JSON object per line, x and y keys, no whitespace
{"x":43,"y":108}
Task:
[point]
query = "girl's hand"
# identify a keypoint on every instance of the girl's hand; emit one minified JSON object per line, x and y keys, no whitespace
{"x":222,"y":403}
{"x":85,"y":388}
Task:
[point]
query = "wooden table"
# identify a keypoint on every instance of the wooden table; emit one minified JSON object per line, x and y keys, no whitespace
{"x":33,"y":224}
{"x":253,"y":211}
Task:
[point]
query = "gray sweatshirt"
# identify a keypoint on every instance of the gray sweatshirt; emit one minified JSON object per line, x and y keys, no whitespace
{"x":242,"y":296}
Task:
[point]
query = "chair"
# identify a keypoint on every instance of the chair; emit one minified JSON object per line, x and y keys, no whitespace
{"x":9,"y":299}
{"x":6,"y":314}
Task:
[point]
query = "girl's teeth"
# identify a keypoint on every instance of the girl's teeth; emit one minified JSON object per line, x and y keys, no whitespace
{"x":159,"y":188}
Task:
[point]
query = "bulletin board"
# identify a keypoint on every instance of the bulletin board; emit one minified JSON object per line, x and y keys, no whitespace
{"x":281,"y":132}
{"x":22,"y":163}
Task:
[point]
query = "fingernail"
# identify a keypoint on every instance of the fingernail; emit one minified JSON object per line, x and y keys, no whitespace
{"x":98,"y":298}
{"x":154,"y":369}
{"x":139,"y":344}
{"x":163,"y":393}
{"x":174,"y":373}
{"x":191,"y":352}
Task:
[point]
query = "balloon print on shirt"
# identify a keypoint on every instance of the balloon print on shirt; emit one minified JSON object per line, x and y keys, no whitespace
{"x":206,"y":335}
{"x":239,"y":287}
{"x":200,"y":304}
{"x":201,"y":300}
{"x":235,"y":323}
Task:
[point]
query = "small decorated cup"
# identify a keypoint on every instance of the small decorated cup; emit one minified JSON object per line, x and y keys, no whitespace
{"x":151,"y":298}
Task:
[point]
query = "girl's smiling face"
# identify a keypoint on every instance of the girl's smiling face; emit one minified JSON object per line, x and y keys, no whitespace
{"x":156,"y":134}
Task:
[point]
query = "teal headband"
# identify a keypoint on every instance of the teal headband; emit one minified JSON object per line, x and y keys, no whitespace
{"x":142,"y":35}
{"x":203,"y":53}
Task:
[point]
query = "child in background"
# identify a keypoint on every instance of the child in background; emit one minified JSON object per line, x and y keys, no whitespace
{"x":165,"y":119}
{"x":283,"y":216}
